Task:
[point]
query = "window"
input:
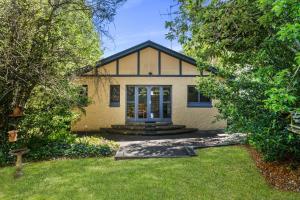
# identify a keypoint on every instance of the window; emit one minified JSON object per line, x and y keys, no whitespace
{"x":167,"y":102}
{"x":130,"y":102}
{"x":196,"y":99}
{"x":83,"y":93}
{"x":114,"y":96}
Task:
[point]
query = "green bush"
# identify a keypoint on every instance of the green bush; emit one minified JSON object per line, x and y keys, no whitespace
{"x":79,"y":148}
{"x":59,"y":145}
{"x":51,"y":150}
{"x":281,"y":145}
{"x":63,"y":135}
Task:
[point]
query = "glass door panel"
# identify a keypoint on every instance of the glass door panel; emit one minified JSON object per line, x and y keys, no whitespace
{"x":130,"y":102}
{"x":166,"y":102}
{"x":155,"y":102}
{"x":142,"y":102}
{"x":148,"y":103}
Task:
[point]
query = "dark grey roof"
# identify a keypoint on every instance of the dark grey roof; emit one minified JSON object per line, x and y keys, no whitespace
{"x":144,"y":45}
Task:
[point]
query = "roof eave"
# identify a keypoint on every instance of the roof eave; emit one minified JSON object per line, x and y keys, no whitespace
{"x":143,"y":46}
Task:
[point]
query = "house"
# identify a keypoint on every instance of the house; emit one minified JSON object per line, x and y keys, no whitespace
{"x":146,"y":83}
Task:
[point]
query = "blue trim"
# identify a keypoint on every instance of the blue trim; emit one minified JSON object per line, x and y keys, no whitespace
{"x":111,"y":104}
{"x":144,"y":45}
{"x":141,"y":46}
{"x":117,"y":67}
{"x":159,"y":63}
{"x":138,"y":63}
{"x":180,"y":67}
{"x":199,"y":105}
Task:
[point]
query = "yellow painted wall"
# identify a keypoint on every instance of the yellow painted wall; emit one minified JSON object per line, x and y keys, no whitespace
{"x":169,"y":65}
{"x":188,"y":69}
{"x":149,"y":61}
{"x":128,"y":64}
{"x":100,"y":115}
{"x":108,"y":69}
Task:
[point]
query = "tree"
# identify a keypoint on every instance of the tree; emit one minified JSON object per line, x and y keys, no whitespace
{"x":42,"y":42}
{"x":255,"y":47}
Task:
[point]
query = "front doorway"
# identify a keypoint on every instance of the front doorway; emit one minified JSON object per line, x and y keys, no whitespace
{"x":148,"y":103}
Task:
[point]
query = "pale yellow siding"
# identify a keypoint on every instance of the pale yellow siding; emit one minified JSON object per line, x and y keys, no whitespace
{"x":149,"y":61}
{"x":188,"y":69}
{"x":108,"y":69}
{"x":169,"y":65}
{"x":128,"y":64}
{"x":100,"y":115}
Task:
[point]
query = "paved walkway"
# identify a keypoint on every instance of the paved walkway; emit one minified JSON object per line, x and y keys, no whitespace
{"x":180,"y":146}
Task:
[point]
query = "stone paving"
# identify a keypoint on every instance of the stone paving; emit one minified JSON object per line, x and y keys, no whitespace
{"x":180,"y":146}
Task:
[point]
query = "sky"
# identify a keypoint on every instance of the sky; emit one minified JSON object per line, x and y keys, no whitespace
{"x":138,"y":21}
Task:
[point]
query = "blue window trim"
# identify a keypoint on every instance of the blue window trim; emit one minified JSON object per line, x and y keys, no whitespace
{"x":114,"y":104}
{"x":198,"y":104}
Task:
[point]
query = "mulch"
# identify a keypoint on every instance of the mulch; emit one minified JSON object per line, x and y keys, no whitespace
{"x":283,"y":176}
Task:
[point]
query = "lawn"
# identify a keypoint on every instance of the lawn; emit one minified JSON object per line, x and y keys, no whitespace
{"x":216,"y":173}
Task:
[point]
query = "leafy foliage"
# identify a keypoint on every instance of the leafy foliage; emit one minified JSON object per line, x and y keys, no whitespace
{"x":255,"y":47}
{"x":65,"y":145}
{"x":43,"y":43}
{"x":76,"y":149}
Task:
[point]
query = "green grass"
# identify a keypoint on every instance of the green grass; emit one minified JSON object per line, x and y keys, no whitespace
{"x":216,"y":173}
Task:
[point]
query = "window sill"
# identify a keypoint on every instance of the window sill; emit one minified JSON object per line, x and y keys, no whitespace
{"x":114,"y":105}
{"x":199,"y":105}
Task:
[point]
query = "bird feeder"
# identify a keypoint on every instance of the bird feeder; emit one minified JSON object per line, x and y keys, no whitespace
{"x":17,"y":111}
{"x":12,"y":135}
{"x":19,"y":153}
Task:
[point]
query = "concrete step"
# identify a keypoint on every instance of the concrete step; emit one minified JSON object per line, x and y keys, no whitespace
{"x":142,"y":151}
{"x":148,"y":128}
{"x":149,"y":133}
{"x":149,"y":123}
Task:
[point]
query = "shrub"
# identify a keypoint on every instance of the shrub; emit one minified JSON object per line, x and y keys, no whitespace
{"x":281,"y":145}
{"x":89,"y":140}
{"x":79,"y":148}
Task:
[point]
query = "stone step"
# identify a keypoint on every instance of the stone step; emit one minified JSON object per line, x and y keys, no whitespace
{"x":148,"y":128}
{"x":149,"y":133}
{"x":141,"y":151}
{"x":149,"y":123}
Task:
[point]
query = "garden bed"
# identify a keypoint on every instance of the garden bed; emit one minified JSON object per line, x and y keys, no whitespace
{"x":284,"y":176}
{"x":41,"y":149}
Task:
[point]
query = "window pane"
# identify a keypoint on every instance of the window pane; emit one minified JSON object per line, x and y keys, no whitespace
{"x":142,"y":105}
{"x":130,"y":93}
{"x":155,"y":93}
{"x":114,"y":94}
{"x":192,"y":94}
{"x":130,"y":110}
{"x":204,"y":98}
{"x":84,"y":91}
{"x":83,"y":95}
{"x":166,"y":110}
{"x":167,"y":93}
